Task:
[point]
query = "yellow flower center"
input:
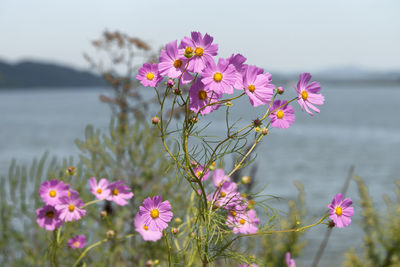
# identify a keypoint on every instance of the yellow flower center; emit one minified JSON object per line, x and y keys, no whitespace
{"x":338,"y":211}
{"x":218,"y":77}
{"x":202,"y":95}
{"x":198,"y":51}
{"x":154,"y":213}
{"x":50,"y":214}
{"x":52,"y":193}
{"x":99,"y":191}
{"x":279,"y":114}
{"x":223,"y":194}
{"x":76,"y":244}
{"x":71,"y":207}
{"x":115,"y":192}
{"x":251,"y":88}
{"x":188,"y":50}
{"x":177,"y":63}
{"x":304,"y":95}
{"x":68,"y":193}
{"x":233,"y":213}
{"x":150,"y":76}
{"x":242,"y":221}
{"x":145,"y":227}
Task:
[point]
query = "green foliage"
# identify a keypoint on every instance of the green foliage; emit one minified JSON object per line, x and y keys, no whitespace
{"x":381,"y":247}
{"x":275,"y":246}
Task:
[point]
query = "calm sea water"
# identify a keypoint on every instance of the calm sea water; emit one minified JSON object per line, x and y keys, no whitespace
{"x":356,"y":126}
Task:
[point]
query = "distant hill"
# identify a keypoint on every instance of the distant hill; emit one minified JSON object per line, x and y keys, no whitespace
{"x":28,"y":74}
{"x":346,"y":75}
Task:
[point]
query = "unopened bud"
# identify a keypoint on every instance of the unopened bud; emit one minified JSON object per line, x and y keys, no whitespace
{"x":194,"y":164}
{"x":103,"y":213}
{"x":264,"y":131}
{"x":195,"y":120}
{"x":155,"y":120}
{"x":178,"y":220}
{"x":149,"y":263}
{"x":246,"y":179}
{"x":229,"y":104}
{"x":280,"y":90}
{"x":257,"y":129}
{"x":170,"y":83}
{"x":177,"y":91}
{"x":188,"y":52}
{"x":175,"y":230}
{"x":257,"y":122}
{"x":192,"y":234}
{"x":110,"y":233}
{"x":71,"y":170}
{"x":331,"y":224}
{"x":212,"y":166}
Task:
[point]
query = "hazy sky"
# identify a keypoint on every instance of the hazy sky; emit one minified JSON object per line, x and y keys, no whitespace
{"x":284,"y":35}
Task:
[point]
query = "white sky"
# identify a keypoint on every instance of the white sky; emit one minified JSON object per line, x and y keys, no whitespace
{"x":283,"y":35}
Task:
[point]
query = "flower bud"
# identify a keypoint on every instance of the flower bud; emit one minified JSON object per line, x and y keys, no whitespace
{"x":149,"y":263}
{"x":110,"y":233}
{"x":264,"y":131}
{"x":71,"y":171}
{"x":331,"y":224}
{"x":212,"y":166}
{"x":229,"y":104}
{"x":175,"y":230}
{"x":195,"y":120}
{"x":280,"y":90}
{"x":155,"y":120}
{"x":257,"y":122}
{"x":188,"y":52}
{"x":177,"y":91}
{"x":103,"y":214}
{"x":194,"y":164}
{"x":178,"y":220}
{"x":170,"y":83}
{"x":246,"y":179}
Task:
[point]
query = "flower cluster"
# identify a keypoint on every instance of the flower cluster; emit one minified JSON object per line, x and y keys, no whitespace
{"x":192,"y":61}
{"x":241,"y":217}
{"x":63,"y":204}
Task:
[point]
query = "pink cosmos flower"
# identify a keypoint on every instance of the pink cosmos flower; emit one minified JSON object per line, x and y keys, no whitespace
{"x":245,"y":223}
{"x":77,"y":241}
{"x":227,"y":196}
{"x":119,"y":193}
{"x":219,"y":78}
{"x":100,"y":190}
{"x":71,"y":208}
{"x":144,"y":231}
{"x":202,"y":48}
{"x":257,"y":86}
{"x":307,"y":94}
{"x":219,"y":177}
{"x":282,"y":115}
{"x":289,"y":262}
{"x":156,"y":214}
{"x":148,"y":75}
{"x":52,"y":191}
{"x":48,"y":218}
{"x":340,"y":211}
{"x":173,"y":63}
{"x":199,"y":171}
{"x":200,"y":97}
